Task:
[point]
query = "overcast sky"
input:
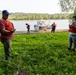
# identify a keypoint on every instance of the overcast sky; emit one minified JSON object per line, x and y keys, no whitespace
{"x":31,"y":6}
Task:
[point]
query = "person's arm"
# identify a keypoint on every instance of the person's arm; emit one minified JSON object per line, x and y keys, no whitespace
{"x":13,"y":29}
{"x":70,"y":26}
{"x":73,"y":25}
{"x":55,"y":25}
{"x":4,"y":31}
{"x":7,"y":32}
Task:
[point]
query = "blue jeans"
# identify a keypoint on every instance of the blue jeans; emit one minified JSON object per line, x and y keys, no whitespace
{"x":72,"y":41}
{"x":28,"y":30}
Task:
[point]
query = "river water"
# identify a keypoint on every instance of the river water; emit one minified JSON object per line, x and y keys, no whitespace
{"x":20,"y":24}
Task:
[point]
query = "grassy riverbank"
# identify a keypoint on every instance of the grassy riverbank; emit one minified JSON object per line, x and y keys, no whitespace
{"x":42,"y":54}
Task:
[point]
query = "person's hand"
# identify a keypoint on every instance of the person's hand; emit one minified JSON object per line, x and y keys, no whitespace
{"x":12,"y":31}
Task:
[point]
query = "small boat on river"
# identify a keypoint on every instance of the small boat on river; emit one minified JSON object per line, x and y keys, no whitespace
{"x":41,"y":25}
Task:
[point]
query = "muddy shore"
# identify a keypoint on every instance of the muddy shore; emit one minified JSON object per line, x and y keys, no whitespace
{"x":40,"y":31}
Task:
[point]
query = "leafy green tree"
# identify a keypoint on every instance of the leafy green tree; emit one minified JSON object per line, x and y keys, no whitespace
{"x":67,"y":5}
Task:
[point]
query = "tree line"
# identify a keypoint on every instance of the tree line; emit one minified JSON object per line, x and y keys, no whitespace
{"x":36,"y":16}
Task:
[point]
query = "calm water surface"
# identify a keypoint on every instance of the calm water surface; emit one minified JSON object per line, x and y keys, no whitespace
{"x":20,"y":24}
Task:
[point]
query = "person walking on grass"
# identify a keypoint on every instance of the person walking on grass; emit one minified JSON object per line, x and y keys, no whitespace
{"x":53,"y":27}
{"x":6,"y":30}
{"x":28,"y":28}
{"x":72,"y":35}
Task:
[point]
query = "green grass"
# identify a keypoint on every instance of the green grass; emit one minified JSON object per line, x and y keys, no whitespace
{"x":42,"y":54}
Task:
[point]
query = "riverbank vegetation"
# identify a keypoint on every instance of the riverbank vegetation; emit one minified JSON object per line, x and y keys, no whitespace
{"x":36,"y":16}
{"x":40,"y":54}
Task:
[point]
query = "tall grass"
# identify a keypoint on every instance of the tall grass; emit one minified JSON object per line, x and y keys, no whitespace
{"x":42,"y":54}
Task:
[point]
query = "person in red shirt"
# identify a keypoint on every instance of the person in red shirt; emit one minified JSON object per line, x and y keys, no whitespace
{"x":6,"y":30}
{"x":28,"y":28}
{"x":53,"y":27}
{"x":72,"y":35}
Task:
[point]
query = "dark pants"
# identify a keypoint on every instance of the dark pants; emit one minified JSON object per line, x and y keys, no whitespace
{"x":28,"y":30}
{"x":53,"y":30}
{"x":72,"y":40}
{"x":7,"y":48}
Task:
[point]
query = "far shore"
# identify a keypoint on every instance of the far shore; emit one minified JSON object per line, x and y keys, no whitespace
{"x":41,"y":31}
